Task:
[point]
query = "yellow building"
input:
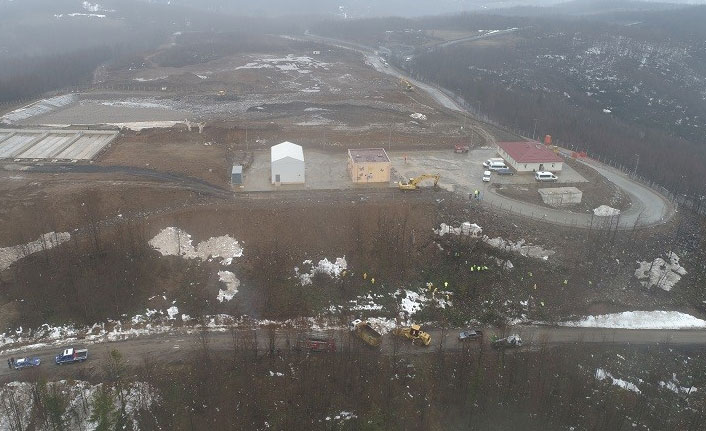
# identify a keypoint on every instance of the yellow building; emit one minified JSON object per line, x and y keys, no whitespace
{"x":369,"y":165}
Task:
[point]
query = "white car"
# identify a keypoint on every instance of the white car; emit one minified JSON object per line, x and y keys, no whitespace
{"x":486,"y":176}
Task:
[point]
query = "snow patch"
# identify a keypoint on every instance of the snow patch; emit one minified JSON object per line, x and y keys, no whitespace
{"x":602,"y":374}
{"x":172,"y":312}
{"x":418,"y":116}
{"x":640,"y":320}
{"x":333,"y":270}
{"x":605,"y":211}
{"x":10,"y":255}
{"x":141,"y":125}
{"x":172,"y":241}
{"x":38,"y":108}
{"x":520,"y":247}
{"x":674,"y":386}
{"x":660,"y":273}
{"x":232,"y":283}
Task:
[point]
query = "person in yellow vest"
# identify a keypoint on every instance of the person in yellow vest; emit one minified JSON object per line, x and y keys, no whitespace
{"x":365,"y":276}
{"x":372,"y":280}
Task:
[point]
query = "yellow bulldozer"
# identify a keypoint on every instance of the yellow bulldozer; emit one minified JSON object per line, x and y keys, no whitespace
{"x":415,"y":334}
{"x":413,"y":183}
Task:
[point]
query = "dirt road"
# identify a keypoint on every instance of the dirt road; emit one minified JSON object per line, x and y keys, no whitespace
{"x":176,"y":345}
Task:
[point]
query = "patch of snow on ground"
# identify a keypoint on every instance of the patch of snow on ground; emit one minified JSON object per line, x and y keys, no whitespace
{"x":660,"y":273}
{"x":640,"y":320}
{"x":418,"y":116}
{"x":288,"y":63}
{"x":673,"y":385}
{"x":606,"y":211}
{"x":413,"y":301}
{"x":343,"y":416}
{"x":232,"y":283}
{"x":172,"y":241}
{"x":520,"y":247}
{"x":10,"y":255}
{"x":172,"y":312}
{"x":38,"y":108}
{"x":602,"y":374}
{"x":332,"y":269}
{"x":136,"y":126}
{"x":148,"y":79}
{"x":466,"y":228}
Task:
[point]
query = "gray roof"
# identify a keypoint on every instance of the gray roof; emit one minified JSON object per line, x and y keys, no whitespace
{"x":237,"y":169}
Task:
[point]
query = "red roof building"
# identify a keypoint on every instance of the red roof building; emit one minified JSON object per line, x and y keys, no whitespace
{"x":529,"y":156}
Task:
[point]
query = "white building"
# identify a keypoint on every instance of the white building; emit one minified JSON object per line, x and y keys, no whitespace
{"x":287,"y":163}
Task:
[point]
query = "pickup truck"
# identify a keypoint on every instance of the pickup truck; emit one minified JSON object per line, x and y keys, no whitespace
{"x":71,"y":355}
{"x":22,"y":363}
{"x":366,"y":332}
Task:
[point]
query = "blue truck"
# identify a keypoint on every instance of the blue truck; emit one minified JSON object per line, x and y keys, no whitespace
{"x":23,"y":363}
{"x":71,"y":355}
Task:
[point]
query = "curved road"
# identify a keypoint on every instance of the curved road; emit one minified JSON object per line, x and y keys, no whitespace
{"x":175,"y":346}
{"x":649,"y":208}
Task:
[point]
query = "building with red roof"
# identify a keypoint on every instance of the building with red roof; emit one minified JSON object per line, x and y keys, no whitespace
{"x":529,"y":156}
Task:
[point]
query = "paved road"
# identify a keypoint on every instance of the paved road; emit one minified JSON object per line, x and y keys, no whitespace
{"x":176,"y":345}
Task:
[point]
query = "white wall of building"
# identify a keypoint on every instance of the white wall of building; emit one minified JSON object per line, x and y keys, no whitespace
{"x":290,"y":171}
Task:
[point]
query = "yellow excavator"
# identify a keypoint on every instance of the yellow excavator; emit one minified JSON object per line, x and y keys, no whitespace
{"x":406,"y":84}
{"x":415,"y":334}
{"x":412,"y":184}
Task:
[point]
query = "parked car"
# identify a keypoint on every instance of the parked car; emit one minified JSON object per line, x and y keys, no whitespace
{"x":513,"y":340}
{"x":470,"y":334}
{"x":505,"y":171}
{"x":22,"y":363}
{"x":494,"y":166}
{"x":544,"y":176}
{"x":488,"y":162}
{"x":486,"y":176}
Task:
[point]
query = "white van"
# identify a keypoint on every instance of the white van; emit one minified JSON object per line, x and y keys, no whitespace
{"x":487,"y":163}
{"x":545,"y":176}
{"x":495,"y":165}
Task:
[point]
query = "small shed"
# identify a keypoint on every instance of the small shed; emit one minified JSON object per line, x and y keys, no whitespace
{"x":369,"y":165}
{"x":287,"y":163}
{"x":561,"y":196}
{"x":236,"y":175}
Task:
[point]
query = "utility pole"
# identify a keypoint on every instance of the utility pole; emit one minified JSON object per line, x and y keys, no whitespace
{"x":636,"y":163}
{"x":534,"y":131}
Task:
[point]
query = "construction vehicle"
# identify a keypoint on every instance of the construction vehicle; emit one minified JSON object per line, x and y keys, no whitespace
{"x":415,"y":334}
{"x":406,"y":84}
{"x":413,"y":183}
{"x":461,"y":149}
{"x":366,"y":332}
